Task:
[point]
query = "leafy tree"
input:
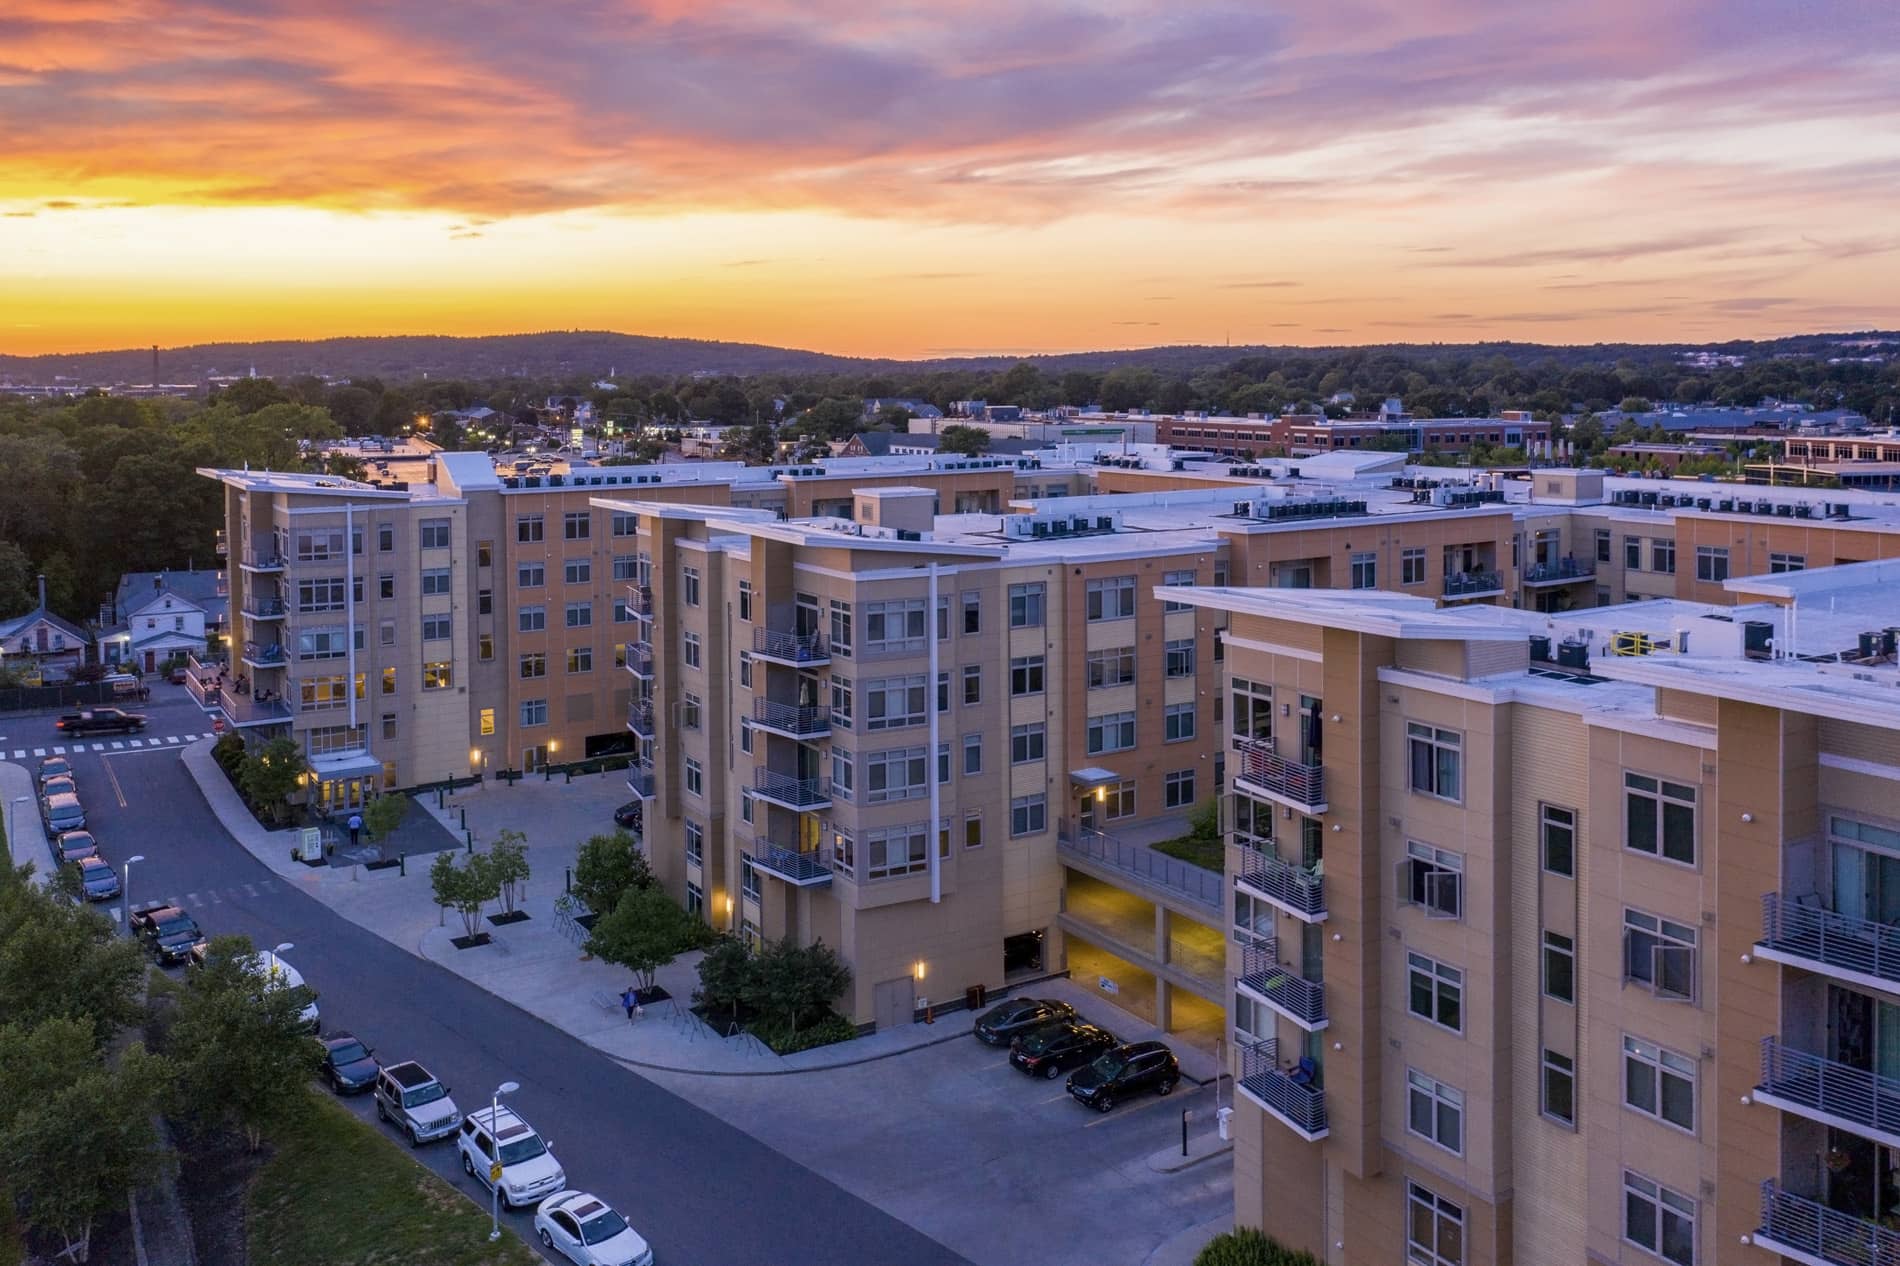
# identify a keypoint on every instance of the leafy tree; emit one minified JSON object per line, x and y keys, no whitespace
{"x":508,"y":866}
{"x":63,"y":961}
{"x":793,"y":985}
{"x":17,"y":592}
{"x":971,"y":441}
{"x":1634,"y":404}
{"x":643,"y":933}
{"x":271,"y":773}
{"x":465,"y":888}
{"x":725,"y":971}
{"x":832,"y":419}
{"x":893,"y":416}
{"x":606,"y":867}
{"x":248,"y":395}
{"x":384,"y":814}
{"x":1249,"y":1246}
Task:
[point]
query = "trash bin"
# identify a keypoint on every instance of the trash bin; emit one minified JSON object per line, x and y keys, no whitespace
{"x":973,"y":997}
{"x":1223,"y":1117}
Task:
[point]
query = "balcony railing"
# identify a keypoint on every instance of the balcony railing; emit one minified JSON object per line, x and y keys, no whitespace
{"x":1562,"y":572}
{"x":264,"y":608}
{"x":1287,"y":1093}
{"x":1471,"y":584}
{"x":640,"y":779}
{"x":640,"y":662}
{"x":640,"y":601}
{"x":1262,"y":974}
{"x":1288,"y":782}
{"x":220,"y":543}
{"x":247,"y":709}
{"x":1822,"y":941}
{"x":1809,"y":1231}
{"x":264,"y":655}
{"x":791,"y":720}
{"x":800,"y":650}
{"x":790,"y":792}
{"x":1295,"y":889}
{"x":262,"y":560}
{"x":1197,"y":884}
{"x":640,"y":717}
{"x":1828,"y":1091}
{"x":807,"y":868}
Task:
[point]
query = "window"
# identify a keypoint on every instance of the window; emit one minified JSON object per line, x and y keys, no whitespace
{"x":1434,"y":1228}
{"x":320,"y":595}
{"x":389,"y":725}
{"x":1028,"y":815}
{"x":534,"y":664}
{"x":624,"y":567}
{"x":843,"y":774}
{"x":435,"y":628}
{"x":1253,"y":921}
{"x":578,"y":571}
{"x":386,"y":633}
{"x":689,"y":586}
{"x":745,"y":600}
{"x":691,"y":705}
{"x":1560,"y":1087}
{"x":972,"y":613}
{"x":899,"y":850}
{"x":749,"y":886}
{"x":1178,"y":789}
{"x":695,"y":778}
{"x":1658,"y":1220}
{"x":529,"y":528}
{"x":435,"y":581}
{"x":317,"y":693}
{"x":973,"y":830}
{"x":1114,"y":666}
{"x":1603,"y":545}
{"x":1436,"y":760}
{"x":1787,"y":562}
{"x":386,"y":537}
{"x":531,"y":619}
{"x":1178,"y":721}
{"x":1176,"y":580}
{"x":1111,"y":732}
{"x":580,"y":659}
{"x":690,"y":650}
{"x":897,"y":774}
{"x":1025,"y":675}
{"x":319,"y":545}
{"x":696,"y":843}
{"x":1434,"y":1111}
{"x":1411,"y":566}
{"x":1253,"y":709}
{"x":1659,"y":817}
{"x":745,"y":669}
{"x":488,"y":721}
{"x":1437,"y":991}
{"x":840,"y":641}
{"x":1660,"y":955}
{"x":1711,"y":562}
{"x":1662,"y":556}
{"x":386,"y":586}
{"x":745,"y":735}
{"x":1365,"y":571}
{"x":484,"y":553}
{"x":485,"y":646}
{"x":1560,"y":967}
{"x":972,"y":753}
{"x":841,"y":701}
{"x":577,"y":525}
{"x":1117,"y":801}
{"x":1111,"y":599}
{"x":1558,"y":828}
{"x":530,"y":575}
{"x":746,"y":810}
{"x":1633,"y":553}
{"x":434,"y":533}
{"x":893,"y":703}
{"x":437,"y":675}
{"x":972,"y":684}
{"x":626,"y":524}
{"x":1433,"y":879}
{"x":322,"y":644}
{"x":534,"y":712}
{"x":1180,"y":657}
{"x":894,"y":626}
{"x":1659,"y":1083}
{"x":580,"y":615}
{"x":1026,"y":603}
{"x":1027,"y":742}
{"x":623,"y":611}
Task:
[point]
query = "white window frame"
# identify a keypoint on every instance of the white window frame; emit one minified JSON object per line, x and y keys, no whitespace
{"x":1664,"y":1204}
{"x":1433,"y":879}
{"x":1664,"y":942}
{"x":1444,"y":1214}
{"x":1446,"y":1105}
{"x":1654,"y":1064}
{"x":1438,"y":742}
{"x":1443,"y":979}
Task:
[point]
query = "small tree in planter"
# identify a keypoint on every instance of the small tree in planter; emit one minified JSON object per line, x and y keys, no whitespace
{"x":607,"y":867}
{"x":791,"y":986}
{"x":725,"y":972}
{"x":383,"y":815}
{"x":271,"y":773}
{"x":465,"y":889}
{"x":508,"y":865}
{"x":643,"y":934}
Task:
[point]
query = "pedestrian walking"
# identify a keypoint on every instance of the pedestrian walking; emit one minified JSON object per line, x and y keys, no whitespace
{"x":356,"y":827}
{"x":630,"y":1001}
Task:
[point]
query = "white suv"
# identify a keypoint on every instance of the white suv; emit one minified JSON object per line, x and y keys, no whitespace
{"x":528,"y":1168}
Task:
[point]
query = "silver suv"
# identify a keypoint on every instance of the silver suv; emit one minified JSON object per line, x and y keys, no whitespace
{"x":411,"y":1099}
{"x":503,"y":1142}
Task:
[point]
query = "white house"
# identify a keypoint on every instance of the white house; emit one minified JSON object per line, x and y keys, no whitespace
{"x":155,"y":624}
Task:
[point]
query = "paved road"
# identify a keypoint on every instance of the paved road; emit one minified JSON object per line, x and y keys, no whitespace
{"x":702,"y":1191}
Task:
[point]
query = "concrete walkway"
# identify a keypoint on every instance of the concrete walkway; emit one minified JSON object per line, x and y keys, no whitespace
{"x":20,"y":811}
{"x":1181,"y":1249}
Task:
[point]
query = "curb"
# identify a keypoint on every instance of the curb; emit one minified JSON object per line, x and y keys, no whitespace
{"x":1170,"y":1161}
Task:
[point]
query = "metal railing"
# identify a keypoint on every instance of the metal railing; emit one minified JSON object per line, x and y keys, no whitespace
{"x":640,"y":601}
{"x":1300,"y":1103}
{"x":248,"y":709}
{"x":1274,"y":774}
{"x":1564,"y":569}
{"x":640,"y":717}
{"x":263,"y":560}
{"x":1836,"y":940}
{"x":1825,"y":1085}
{"x":264,"y":608}
{"x":639,"y":661}
{"x":1295,"y":888}
{"x":640,"y":779}
{"x":258,"y":653}
{"x":1204,"y":887}
{"x":220,"y":544}
{"x":799,"y":721}
{"x":1464,"y":584}
{"x":1285,"y":990}
{"x":800,"y":866}
{"x":796,"y":648}
{"x":797,"y":793}
{"x":1797,"y":1225}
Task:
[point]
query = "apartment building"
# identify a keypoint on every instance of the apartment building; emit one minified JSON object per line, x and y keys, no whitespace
{"x":1566,"y":937}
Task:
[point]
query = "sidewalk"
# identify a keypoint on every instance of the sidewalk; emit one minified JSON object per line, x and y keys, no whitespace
{"x":26,"y":839}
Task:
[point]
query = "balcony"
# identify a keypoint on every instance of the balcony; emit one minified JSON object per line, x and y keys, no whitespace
{"x":794,"y":650}
{"x":1196,"y":884}
{"x":640,"y":717}
{"x":1858,"y":951}
{"x":256,"y":608}
{"x":1265,"y":978}
{"x":803,"y":868}
{"x":640,"y":602}
{"x":1565,"y":571}
{"x":1808,"y":1231}
{"x":264,"y":654}
{"x":1286,"y":1094}
{"x":1474,"y":584}
{"x":1264,"y":772}
{"x":640,"y":779}
{"x":802,"y":794}
{"x":1292,"y":889}
{"x":262,"y":561}
{"x":640,"y":661}
{"x":220,"y":543}
{"x":793,"y":721}
{"x":1830,"y":1092}
{"x":247,"y":710}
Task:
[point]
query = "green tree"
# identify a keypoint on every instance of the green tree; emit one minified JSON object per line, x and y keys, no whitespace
{"x":832,"y":418}
{"x":271,"y":773}
{"x":894,"y":417}
{"x":725,"y":973}
{"x":606,"y":867}
{"x":384,"y":814}
{"x":643,"y":933}
{"x":465,"y":888}
{"x":971,"y":441}
{"x":63,"y":961}
{"x":248,"y":395}
{"x":1249,"y":1246}
{"x":508,"y":866}
{"x":17,"y":592}
{"x":793,"y":985}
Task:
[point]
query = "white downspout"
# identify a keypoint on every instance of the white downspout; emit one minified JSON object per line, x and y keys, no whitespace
{"x":349,"y":598}
{"x":936,"y":788}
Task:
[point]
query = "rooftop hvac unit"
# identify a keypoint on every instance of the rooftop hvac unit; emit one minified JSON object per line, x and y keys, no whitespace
{"x":1540,"y":648}
{"x":1105,"y":523}
{"x":1573,"y":655}
{"x":1243,"y":508}
{"x":907,"y":534}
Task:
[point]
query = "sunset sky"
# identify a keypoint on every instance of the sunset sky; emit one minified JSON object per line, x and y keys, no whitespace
{"x":922,"y":179}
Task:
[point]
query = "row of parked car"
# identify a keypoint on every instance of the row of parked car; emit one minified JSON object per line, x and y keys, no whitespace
{"x":73,"y":844}
{"x":1046,"y":1038}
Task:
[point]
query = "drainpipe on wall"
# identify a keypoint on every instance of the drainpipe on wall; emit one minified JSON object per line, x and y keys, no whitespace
{"x":936,"y":789}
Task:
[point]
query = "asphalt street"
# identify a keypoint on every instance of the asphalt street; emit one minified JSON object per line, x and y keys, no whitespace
{"x":703,"y":1192}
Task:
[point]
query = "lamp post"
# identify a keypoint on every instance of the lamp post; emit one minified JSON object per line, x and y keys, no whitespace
{"x":494,"y":1178}
{"x":125,"y":892}
{"x":13,"y":819}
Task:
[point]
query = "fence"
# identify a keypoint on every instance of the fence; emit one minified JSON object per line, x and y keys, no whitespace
{"x":65,"y":695}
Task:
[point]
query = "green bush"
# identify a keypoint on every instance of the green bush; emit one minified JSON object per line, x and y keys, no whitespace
{"x":229,"y":753}
{"x":785,"y":1040}
{"x":1248,"y":1246}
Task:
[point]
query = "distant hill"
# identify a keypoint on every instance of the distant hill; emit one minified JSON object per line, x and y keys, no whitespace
{"x":593,"y":353}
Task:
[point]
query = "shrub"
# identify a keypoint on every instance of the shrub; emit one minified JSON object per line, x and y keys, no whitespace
{"x":784,"y":1041}
{"x":644,"y":933}
{"x":508,"y":864}
{"x":724,"y":974}
{"x":607,"y":866}
{"x":229,"y":753}
{"x":792,"y":986}
{"x":384,"y":814}
{"x":1249,"y":1246}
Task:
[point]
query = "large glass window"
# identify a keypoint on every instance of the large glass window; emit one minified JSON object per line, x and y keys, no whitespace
{"x":1560,"y":1087}
{"x":1111,"y":732}
{"x":892,"y":703}
{"x":1434,"y":1228}
{"x":1434,"y":1111}
{"x":1436,"y":991}
{"x":1111,"y":599}
{"x":1437,"y":760}
{"x":1558,"y":828}
{"x":1660,"y":817}
{"x":1026,"y":606}
{"x":1659,"y":1083}
{"x":1659,"y":954}
{"x":1658,"y":1220}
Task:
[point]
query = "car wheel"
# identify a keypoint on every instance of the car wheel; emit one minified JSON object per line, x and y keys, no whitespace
{"x":546,"y":1239}
{"x":1053,"y":1071}
{"x":1166,"y":1087}
{"x":468,"y":1166}
{"x":414,"y":1139}
{"x":382,"y":1113}
{"x":1104,"y":1103}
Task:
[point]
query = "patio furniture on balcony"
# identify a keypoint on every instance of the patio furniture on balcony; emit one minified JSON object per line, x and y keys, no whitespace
{"x":1474,"y":584}
{"x":1264,"y":772}
{"x":1267,"y":979}
{"x":1292,"y":1095}
{"x":794,"y":650}
{"x":1296,"y":890}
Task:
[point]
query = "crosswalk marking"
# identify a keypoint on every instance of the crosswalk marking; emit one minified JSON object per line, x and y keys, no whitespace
{"x":193,"y":738}
{"x":98,"y":747}
{"x":59,"y":751}
{"x":39,"y":751}
{"x":171,"y":738}
{"x":117,"y":746}
{"x":216,"y":900}
{"x":19,"y":753}
{"x":191,"y":898}
{"x":250,"y":890}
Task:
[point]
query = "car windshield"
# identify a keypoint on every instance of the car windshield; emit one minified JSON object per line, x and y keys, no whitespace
{"x":523,"y":1150}
{"x":1109,"y":1065}
{"x":350,"y":1053}
{"x":604,"y":1227}
{"x":425,"y":1094}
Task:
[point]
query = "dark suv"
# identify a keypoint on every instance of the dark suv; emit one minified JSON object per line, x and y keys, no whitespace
{"x":1052,"y":1049}
{"x":1006,"y":1020}
{"x":1124,"y":1071}
{"x":168,"y":932}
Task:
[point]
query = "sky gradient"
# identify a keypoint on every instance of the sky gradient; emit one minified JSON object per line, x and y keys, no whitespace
{"x":914,"y":179}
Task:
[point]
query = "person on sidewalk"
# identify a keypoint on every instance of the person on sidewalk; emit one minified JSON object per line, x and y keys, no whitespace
{"x":631,"y":1002}
{"x":356,"y":827}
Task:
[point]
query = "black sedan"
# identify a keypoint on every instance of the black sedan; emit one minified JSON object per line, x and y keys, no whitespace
{"x":1124,"y":1071}
{"x":1052,"y":1049}
{"x":1005,"y":1021}
{"x":349,"y":1066}
{"x":629,"y":815}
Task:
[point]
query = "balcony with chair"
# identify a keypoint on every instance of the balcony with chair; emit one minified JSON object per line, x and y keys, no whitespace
{"x":263,"y":561}
{"x":1274,"y":984}
{"x":1465,"y":585}
{"x":248,"y":709}
{"x":1295,"y":890}
{"x":1801,"y":932}
{"x":264,"y":654}
{"x":640,"y":661}
{"x":1261,"y":771}
{"x":1291,"y":1095}
{"x":1829,"y":1091}
{"x":792,"y":650}
{"x":1808,"y":1231}
{"x":802,"y":868}
{"x":640,"y":718}
{"x":803,"y":795}
{"x":260,"y":608}
{"x":805,"y":722}
{"x":1564,"y":571}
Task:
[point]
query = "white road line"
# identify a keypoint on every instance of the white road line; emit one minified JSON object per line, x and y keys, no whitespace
{"x":39,"y":751}
{"x":216,"y":900}
{"x":19,"y":753}
{"x":117,"y":746}
{"x":268,"y":885}
{"x":171,"y":738}
{"x":191,"y":898}
{"x":59,"y":751}
{"x":98,"y":747}
{"x":250,"y":890}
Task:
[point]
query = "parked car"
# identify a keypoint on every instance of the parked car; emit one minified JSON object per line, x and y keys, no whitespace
{"x":409,"y":1097}
{"x":143,"y":918}
{"x":1126,"y":1070}
{"x":528,"y":1168}
{"x":101,"y":721}
{"x":54,"y":767}
{"x":178,"y":674}
{"x":73,"y":846}
{"x":169,"y":933}
{"x":629,"y":815}
{"x":349,"y":1066}
{"x":63,"y":813}
{"x":1006,"y":1020}
{"x":1049,"y":1050}
{"x":279,"y":973}
{"x":59,"y":785}
{"x":97,"y":880}
{"x":585,"y":1230}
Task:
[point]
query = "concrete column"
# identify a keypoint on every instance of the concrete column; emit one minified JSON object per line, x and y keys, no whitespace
{"x":1164,"y":1004}
{"x":1164,"y":997}
{"x":1163,"y":923}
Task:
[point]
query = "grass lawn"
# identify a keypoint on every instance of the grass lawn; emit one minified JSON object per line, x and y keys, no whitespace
{"x":1207,"y":854}
{"x":338,"y":1192}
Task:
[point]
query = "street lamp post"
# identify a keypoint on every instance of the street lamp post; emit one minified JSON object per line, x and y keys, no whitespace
{"x":13,"y":819}
{"x":125,"y":892}
{"x":494,"y":1178}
